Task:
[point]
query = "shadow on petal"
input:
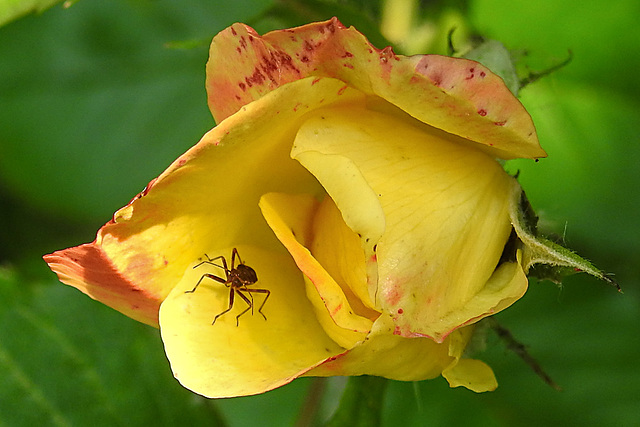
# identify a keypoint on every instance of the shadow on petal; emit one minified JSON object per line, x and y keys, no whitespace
{"x":391,"y":356}
{"x":225,"y":360}
{"x":329,"y":300}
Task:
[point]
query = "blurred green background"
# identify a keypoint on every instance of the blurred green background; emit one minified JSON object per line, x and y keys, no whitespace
{"x":98,"y":98}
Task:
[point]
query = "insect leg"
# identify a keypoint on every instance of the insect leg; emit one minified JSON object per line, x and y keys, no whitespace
{"x":231,"y":293}
{"x":261,"y":291}
{"x":235,"y":254}
{"x":249,"y":303}
{"x":210,"y":261}
{"x":210,"y":276}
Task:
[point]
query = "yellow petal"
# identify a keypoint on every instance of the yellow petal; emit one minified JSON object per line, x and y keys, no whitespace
{"x":208,"y":198}
{"x":358,"y":203}
{"x":459,"y":96}
{"x":225,"y":360}
{"x":411,"y":359}
{"x":446,"y":212}
{"x":469,"y":373}
{"x":330,"y":303}
{"x":391,"y":356}
{"x":472,"y":374}
{"x":339,"y":251}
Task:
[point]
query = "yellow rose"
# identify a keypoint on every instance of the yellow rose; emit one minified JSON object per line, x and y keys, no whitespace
{"x":363,"y":189}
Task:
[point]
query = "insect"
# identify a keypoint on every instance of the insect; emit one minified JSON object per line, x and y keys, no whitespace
{"x":236,"y":279}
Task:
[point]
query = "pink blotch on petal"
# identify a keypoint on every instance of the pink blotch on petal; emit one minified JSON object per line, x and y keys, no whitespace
{"x":461,"y":82}
{"x":392,"y":294}
{"x":336,"y":309}
{"x":279,"y":57}
{"x":440,"y":91}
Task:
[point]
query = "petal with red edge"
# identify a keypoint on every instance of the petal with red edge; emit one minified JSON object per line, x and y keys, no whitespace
{"x":329,"y":301}
{"x":339,"y":250}
{"x":459,"y":96}
{"x":87,"y":268}
{"x":208,"y":198}
{"x":444,"y":232}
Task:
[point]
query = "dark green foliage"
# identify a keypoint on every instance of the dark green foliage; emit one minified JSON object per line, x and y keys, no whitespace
{"x":93,"y":106}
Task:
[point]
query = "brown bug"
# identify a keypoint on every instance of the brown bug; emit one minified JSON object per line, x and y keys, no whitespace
{"x":237,"y":279}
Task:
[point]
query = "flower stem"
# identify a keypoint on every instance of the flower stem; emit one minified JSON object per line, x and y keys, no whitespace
{"x":309,"y":410}
{"x":361,"y":403}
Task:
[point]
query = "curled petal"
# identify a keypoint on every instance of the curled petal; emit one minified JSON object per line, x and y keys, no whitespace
{"x":340,"y":252}
{"x":459,"y":96}
{"x":444,"y":231}
{"x":329,"y":300}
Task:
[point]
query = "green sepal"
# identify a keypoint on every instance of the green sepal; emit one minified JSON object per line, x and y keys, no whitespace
{"x":505,"y":63}
{"x":495,"y":56}
{"x":541,"y":257}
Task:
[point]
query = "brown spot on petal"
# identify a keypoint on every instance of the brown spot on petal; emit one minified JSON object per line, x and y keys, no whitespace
{"x":256,"y":78}
{"x":331,"y":27}
{"x":308,"y":46}
{"x":482,"y":112}
{"x":386,"y":54}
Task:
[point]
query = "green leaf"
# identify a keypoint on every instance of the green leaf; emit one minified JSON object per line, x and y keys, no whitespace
{"x":94,"y":101}
{"x":14,"y":9}
{"x":66,"y":360}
